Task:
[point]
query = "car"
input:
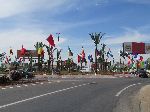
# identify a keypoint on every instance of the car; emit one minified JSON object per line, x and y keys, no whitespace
{"x":15,"y":75}
{"x":148,"y":72}
{"x":142,"y":73}
{"x":3,"y":78}
{"x":26,"y":74}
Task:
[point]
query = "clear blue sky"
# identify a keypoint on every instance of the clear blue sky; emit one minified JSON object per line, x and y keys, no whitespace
{"x":28,"y":21}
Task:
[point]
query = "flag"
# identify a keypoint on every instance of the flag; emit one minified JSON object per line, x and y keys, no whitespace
{"x":90,"y":58}
{"x":129,"y":60}
{"x":79,"y":58}
{"x":7,"y":60}
{"x":23,"y":50}
{"x":83,"y":53}
{"x":142,"y":64}
{"x":40,"y":50}
{"x":98,"y":53}
{"x":109,"y":54}
{"x":135,"y":55}
{"x":11,"y":51}
{"x":141,"y":58}
{"x":51,"y":40}
{"x":123,"y":54}
{"x":70,"y":52}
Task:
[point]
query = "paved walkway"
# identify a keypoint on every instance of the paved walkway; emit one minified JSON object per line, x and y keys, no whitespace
{"x":74,"y":76}
{"x":144,"y":99}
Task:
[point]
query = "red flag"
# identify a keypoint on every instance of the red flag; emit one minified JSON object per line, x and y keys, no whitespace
{"x":23,"y":50}
{"x":129,"y":62}
{"x":129,"y":57}
{"x":20,"y":59}
{"x":79,"y":59}
{"x":141,"y":58}
{"x":97,"y":52}
{"x":50,"y":40}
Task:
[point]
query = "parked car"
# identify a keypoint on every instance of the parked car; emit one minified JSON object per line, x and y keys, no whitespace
{"x":15,"y":75}
{"x":142,"y":73}
{"x":26,"y":74}
{"x":3,"y":78}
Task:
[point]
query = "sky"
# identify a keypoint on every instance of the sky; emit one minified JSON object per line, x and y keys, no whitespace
{"x":25,"y":22}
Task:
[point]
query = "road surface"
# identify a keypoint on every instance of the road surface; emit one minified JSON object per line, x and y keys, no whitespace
{"x":69,"y":95}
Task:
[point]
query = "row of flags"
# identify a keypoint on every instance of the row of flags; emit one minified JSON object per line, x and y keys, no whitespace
{"x":40,"y":51}
{"x":133,"y":60}
{"x":136,"y":61}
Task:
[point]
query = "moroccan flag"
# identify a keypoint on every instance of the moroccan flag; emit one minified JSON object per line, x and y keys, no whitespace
{"x":23,"y":50}
{"x":69,"y":51}
{"x":51,"y":40}
{"x":79,"y":58}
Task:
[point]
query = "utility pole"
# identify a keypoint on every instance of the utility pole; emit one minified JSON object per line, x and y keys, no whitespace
{"x":96,"y":38}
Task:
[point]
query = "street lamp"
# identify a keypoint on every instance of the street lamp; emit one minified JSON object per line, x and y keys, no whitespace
{"x":96,"y":38}
{"x":58,"y":53}
{"x":58,"y":36}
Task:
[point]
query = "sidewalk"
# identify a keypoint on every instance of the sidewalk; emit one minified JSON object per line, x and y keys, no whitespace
{"x":144,"y":99}
{"x":73,"y":76}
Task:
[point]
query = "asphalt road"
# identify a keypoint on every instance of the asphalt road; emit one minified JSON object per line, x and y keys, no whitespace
{"x":69,"y":95}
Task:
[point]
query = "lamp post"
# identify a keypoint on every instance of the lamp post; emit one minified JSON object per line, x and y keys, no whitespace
{"x":58,"y":53}
{"x":96,"y":38}
{"x":58,"y":36}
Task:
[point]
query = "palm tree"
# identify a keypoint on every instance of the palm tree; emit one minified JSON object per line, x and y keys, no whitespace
{"x":96,"y":38}
{"x":50,"y":51}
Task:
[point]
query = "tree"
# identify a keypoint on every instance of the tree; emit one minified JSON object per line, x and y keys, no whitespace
{"x":50,"y":51}
{"x":96,"y":38}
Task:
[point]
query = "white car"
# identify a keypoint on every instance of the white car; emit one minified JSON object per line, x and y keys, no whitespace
{"x":85,"y":69}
